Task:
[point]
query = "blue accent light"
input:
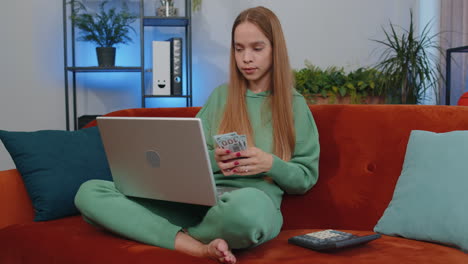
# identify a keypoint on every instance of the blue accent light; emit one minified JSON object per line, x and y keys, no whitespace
{"x":204,"y":80}
{"x":112,"y":81}
{"x":126,"y":55}
{"x":165,"y":102}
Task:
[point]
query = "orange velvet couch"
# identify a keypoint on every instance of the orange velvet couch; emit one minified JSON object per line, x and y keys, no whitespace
{"x":463,"y":99}
{"x":362,"y":151}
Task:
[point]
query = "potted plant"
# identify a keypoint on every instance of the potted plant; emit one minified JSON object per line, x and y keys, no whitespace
{"x":106,"y":28}
{"x":166,"y":9}
{"x":334,"y":85}
{"x":409,"y":63}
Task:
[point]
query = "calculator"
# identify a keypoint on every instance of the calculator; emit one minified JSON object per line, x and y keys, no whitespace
{"x":330,"y":239}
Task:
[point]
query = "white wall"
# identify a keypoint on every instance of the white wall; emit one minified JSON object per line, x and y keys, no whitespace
{"x":325,"y":32}
{"x":31,"y":68}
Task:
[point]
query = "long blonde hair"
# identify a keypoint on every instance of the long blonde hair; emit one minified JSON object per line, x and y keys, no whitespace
{"x":235,"y":117}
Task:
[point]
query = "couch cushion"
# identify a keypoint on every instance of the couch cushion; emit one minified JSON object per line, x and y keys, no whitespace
{"x":429,"y":202}
{"x":384,"y":250}
{"x":71,"y":240}
{"x":53,"y":165}
{"x":362,"y":152}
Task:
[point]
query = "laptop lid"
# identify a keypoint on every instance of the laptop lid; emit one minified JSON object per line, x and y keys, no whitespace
{"x":159,"y":158}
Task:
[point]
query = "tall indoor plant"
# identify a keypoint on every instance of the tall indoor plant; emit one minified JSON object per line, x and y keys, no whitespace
{"x":410,"y":63}
{"x":106,"y":28}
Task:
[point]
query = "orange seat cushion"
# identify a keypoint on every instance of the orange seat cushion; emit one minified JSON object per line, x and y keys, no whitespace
{"x":71,"y":240}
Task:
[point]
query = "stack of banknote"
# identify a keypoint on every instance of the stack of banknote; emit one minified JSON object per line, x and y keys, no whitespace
{"x":231,"y":141}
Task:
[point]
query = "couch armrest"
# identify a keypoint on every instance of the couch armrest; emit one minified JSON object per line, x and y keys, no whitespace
{"x":15,"y":204}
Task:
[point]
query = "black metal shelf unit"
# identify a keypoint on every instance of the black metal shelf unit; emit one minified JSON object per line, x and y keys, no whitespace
{"x":145,"y":21}
{"x":448,"y":69}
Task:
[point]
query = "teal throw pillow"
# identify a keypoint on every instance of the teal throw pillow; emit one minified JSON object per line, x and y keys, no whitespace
{"x":430,"y":198}
{"x":53,"y":165}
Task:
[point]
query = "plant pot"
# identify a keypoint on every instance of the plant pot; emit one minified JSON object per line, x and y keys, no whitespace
{"x":374,"y":99}
{"x":318,"y":99}
{"x":166,"y":11}
{"x":106,"y":56}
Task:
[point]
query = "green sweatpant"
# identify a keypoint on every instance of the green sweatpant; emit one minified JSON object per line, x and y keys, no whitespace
{"x":244,"y":218}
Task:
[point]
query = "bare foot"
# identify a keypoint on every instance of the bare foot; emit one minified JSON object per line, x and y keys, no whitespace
{"x":219,"y":249}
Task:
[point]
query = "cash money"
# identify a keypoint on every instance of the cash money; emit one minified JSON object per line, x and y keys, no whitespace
{"x":231,"y":141}
{"x":243,"y":140}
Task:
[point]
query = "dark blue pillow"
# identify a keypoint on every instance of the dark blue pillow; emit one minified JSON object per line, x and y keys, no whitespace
{"x":54,"y":164}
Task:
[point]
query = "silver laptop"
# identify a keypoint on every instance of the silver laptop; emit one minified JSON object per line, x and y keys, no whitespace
{"x":159,"y":158}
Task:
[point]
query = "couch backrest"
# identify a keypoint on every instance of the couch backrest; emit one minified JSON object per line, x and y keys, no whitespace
{"x":153,"y":112}
{"x":362,"y":153}
{"x":463,"y":99}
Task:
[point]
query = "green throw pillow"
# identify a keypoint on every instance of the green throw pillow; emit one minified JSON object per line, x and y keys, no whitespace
{"x":54,"y":164}
{"x":430,"y":199}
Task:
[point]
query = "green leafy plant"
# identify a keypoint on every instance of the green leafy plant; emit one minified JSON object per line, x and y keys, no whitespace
{"x":196,"y":5}
{"x":334,"y":83}
{"x":409,"y":63}
{"x":106,"y":28}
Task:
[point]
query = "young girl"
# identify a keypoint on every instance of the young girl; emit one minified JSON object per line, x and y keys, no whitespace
{"x":282,"y":156}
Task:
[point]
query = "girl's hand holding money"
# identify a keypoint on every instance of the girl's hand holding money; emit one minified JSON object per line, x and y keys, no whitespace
{"x":224,"y":159}
{"x":246,"y":162}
